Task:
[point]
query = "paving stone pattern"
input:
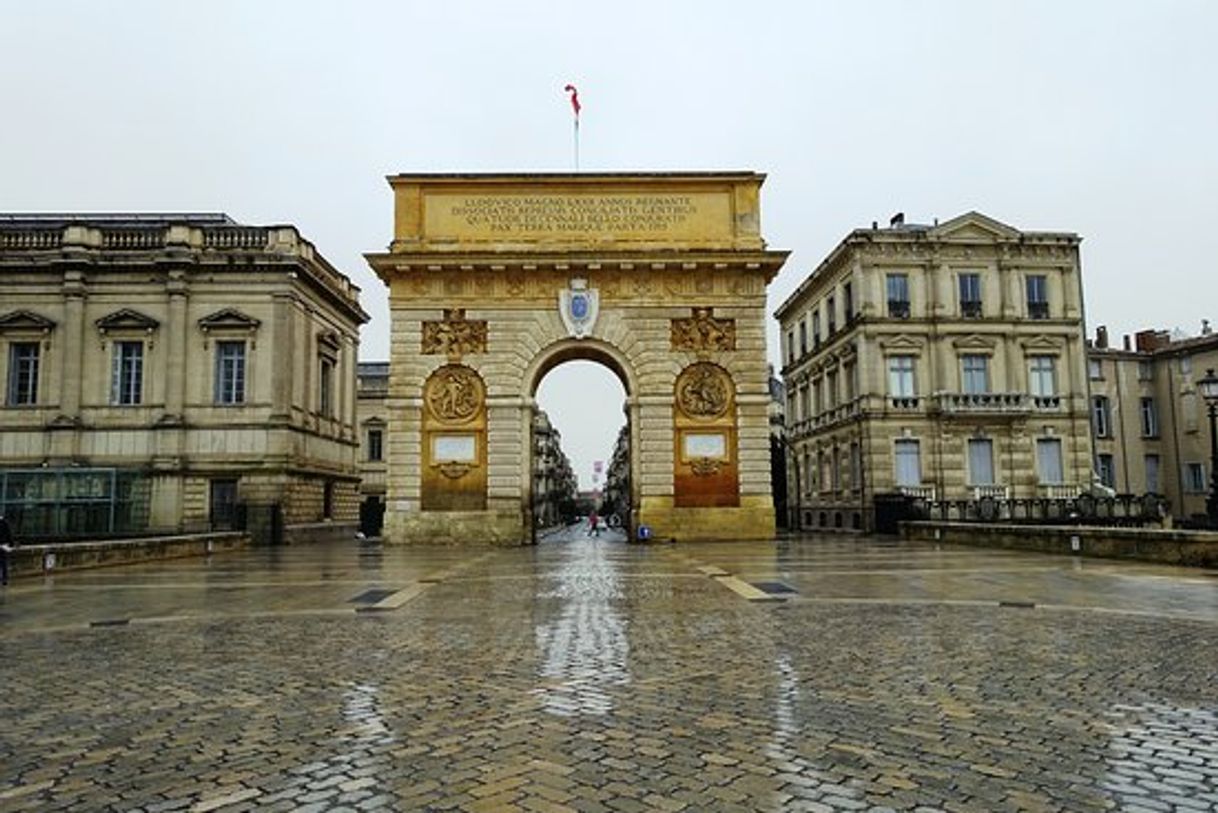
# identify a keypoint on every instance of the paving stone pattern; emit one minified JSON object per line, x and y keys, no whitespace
{"x":590,"y":676}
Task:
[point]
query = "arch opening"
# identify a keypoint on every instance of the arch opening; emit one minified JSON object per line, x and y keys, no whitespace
{"x":580,"y":464}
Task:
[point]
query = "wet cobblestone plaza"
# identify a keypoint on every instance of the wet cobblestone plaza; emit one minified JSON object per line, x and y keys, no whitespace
{"x":588,"y":675}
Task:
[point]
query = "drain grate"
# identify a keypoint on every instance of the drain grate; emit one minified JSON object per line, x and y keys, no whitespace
{"x":371,"y":596}
{"x":775,"y":588}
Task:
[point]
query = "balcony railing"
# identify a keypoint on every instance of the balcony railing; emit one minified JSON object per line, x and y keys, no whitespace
{"x":994,"y":492}
{"x":905,"y":402}
{"x":984,"y":402}
{"x":1058,"y":491}
{"x":1038,"y":310}
{"x":898,"y":308}
{"x":918,"y":492}
{"x":30,"y":238}
{"x":1046,"y":403}
{"x":970,"y":310}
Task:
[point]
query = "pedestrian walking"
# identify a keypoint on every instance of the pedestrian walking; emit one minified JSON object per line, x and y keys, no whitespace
{"x":594,"y":524}
{"x":6,"y":548}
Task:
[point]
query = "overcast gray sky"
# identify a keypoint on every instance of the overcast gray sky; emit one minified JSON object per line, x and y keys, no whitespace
{"x":1094,"y":117}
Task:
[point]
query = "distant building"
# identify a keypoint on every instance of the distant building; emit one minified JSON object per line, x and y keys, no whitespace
{"x":161,"y":371}
{"x":944,"y":362}
{"x":617,"y":479}
{"x":372,"y":390}
{"x":1150,"y":424}
{"x":554,"y":481}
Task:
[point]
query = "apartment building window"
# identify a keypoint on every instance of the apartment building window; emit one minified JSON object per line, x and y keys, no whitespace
{"x":898,"y":295}
{"x":970,"y":296}
{"x":1150,"y":418}
{"x":856,"y":467}
{"x":376,"y":445}
{"x":1041,"y":376}
{"x":848,"y":302}
{"x":1151,"y":462}
{"x":790,"y":347}
{"x":1095,"y":369}
{"x":822,"y":470}
{"x":1101,"y":416}
{"x":907,"y":457}
{"x":1186,"y":365}
{"x":23,"y":373}
{"x":1049,"y":460}
{"x":835,"y":469}
{"x":981,"y":462}
{"x":850,"y":380}
{"x":1194,"y":478}
{"x":805,"y":410}
{"x":831,"y":389}
{"x":803,"y":337}
{"x":1145,"y":370}
{"x":816,"y":329}
{"x":127,"y":373}
{"x":975,"y":374}
{"x":809,"y":475}
{"x":831,"y":315}
{"x":817,"y":400}
{"x":222,"y":504}
{"x":1038,"y":296}
{"x":230,"y":373}
{"x":1106,"y":468}
{"x":901,"y":382}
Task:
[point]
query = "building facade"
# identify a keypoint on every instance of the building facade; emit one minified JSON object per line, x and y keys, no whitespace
{"x":178,"y":366}
{"x":1150,"y":423}
{"x":554,"y":482}
{"x":943,"y":362}
{"x":371,"y":390}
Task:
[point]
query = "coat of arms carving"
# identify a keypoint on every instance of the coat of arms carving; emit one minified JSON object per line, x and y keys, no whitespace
{"x":579,"y":306}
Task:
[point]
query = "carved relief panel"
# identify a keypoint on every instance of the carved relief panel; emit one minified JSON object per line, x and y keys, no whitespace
{"x":702,"y":333}
{"x":704,"y":458}
{"x":454,"y":440}
{"x":454,"y":336}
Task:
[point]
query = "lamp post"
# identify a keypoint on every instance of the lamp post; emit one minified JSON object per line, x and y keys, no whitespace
{"x":1209,"y":391}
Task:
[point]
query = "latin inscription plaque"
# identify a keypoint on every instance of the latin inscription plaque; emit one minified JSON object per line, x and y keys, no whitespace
{"x":625,"y":216}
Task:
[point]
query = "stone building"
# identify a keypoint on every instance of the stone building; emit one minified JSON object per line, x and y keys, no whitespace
{"x":616,"y":500}
{"x":164,"y":369}
{"x":1150,"y":424}
{"x":942,"y":361}
{"x":554,"y":482}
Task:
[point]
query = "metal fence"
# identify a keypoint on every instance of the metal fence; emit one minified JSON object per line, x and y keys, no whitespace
{"x":74,"y":503}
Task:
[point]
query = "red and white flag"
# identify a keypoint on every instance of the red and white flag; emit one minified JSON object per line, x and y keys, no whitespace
{"x":574,"y":98}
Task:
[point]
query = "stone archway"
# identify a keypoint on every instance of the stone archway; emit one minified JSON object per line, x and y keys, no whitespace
{"x":494,"y":279}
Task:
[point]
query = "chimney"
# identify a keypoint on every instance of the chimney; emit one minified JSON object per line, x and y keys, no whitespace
{"x":1148,"y":341}
{"x":875,"y":225}
{"x":897,"y":220}
{"x":1101,"y":337}
{"x":1126,"y":342}
{"x":1205,"y":327}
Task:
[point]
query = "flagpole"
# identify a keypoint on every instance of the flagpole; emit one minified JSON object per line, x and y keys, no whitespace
{"x":575,"y":110}
{"x":577,"y":142}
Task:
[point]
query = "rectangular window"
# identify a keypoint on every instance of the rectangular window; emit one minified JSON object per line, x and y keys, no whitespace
{"x":898,"y":295}
{"x":1150,"y":418}
{"x":1101,"y":416}
{"x":901,"y":377}
{"x":830,"y":390}
{"x":816,"y":329}
{"x":1038,"y":296}
{"x":1194,"y":478}
{"x":222,"y":504}
{"x":127,"y":373}
{"x":908,"y":460}
{"x":831,"y":315}
{"x":230,"y":372}
{"x":1106,"y":468}
{"x":23,"y":373}
{"x":805,"y":406}
{"x":849,"y":380}
{"x":981,"y":462}
{"x":1152,"y":473}
{"x":326,"y":384}
{"x":1095,"y":369}
{"x":848,"y":302}
{"x":790,"y":347}
{"x":975,"y":374}
{"x":1186,"y":365}
{"x":856,"y":467}
{"x":1049,"y":460}
{"x":1041,"y":376}
{"x":376,"y":443}
{"x":970,"y":295}
{"x":803,"y":337}
{"x":809,"y":482}
{"x":817,"y":400}
{"x":1145,"y":371}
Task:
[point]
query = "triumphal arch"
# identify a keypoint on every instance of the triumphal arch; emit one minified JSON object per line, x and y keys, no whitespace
{"x":494,"y":279}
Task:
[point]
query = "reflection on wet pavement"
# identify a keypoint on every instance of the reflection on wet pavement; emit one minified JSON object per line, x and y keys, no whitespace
{"x":591,"y":675}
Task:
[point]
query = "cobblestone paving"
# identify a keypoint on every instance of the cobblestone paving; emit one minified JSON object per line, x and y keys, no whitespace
{"x":593,"y":676}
